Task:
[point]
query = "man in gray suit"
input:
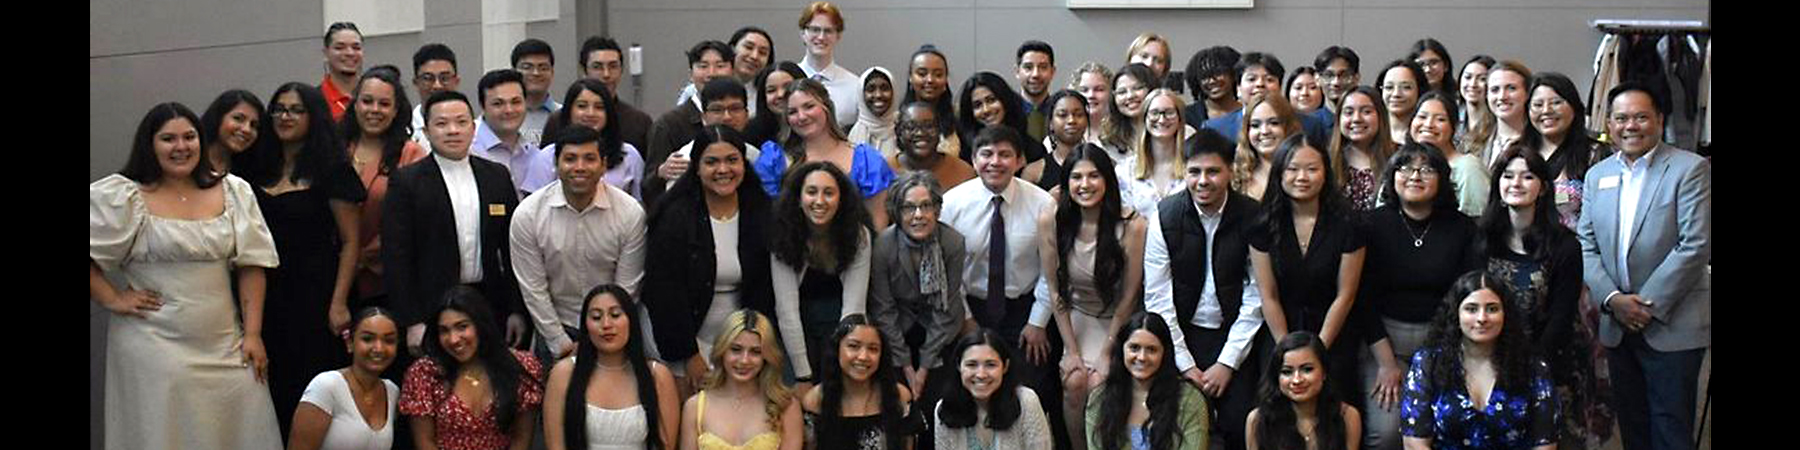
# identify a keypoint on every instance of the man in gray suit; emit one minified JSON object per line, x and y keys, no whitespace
{"x":1646,"y":243}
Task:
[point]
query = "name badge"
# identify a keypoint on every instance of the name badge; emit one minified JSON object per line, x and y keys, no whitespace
{"x":1609,"y":182}
{"x":1562,"y":197}
{"x":497,"y":209}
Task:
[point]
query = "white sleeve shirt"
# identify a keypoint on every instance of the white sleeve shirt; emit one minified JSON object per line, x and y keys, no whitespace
{"x":1159,"y":298}
{"x":1631,"y":187}
{"x":465,"y":204}
{"x":968,"y":209}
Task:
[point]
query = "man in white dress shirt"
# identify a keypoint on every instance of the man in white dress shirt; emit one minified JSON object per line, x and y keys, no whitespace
{"x":572,"y":235}
{"x":821,"y":25}
{"x":970,"y":208}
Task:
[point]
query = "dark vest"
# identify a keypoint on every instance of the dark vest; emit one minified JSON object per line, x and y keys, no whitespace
{"x":1186,"y":238}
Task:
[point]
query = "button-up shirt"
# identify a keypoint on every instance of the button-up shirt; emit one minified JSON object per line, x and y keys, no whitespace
{"x":845,"y":87}
{"x":517,"y":158}
{"x":560,"y":251}
{"x":465,"y":202}
{"x":1159,"y":296}
{"x":968,"y":209}
{"x":532,"y":132}
{"x":418,"y":127}
{"x":1631,"y":186}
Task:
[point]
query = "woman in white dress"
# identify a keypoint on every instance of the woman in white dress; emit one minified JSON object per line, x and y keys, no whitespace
{"x":609,"y":396}
{"x":353,"y":408}
{"x":180,"y":370}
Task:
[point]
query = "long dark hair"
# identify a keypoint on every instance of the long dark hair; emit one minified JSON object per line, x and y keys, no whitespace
{"x":1383,"y":142}
{"x":1276,"y":422}
{"x":1014,"y":114}
{"x":1578,"y":149}
{"x":610,"y":146}
{"x":944,"y":106}
{"x":788,"y":239}
{"x":1166,"y":386}
{"x":958,"y":409}
{"x":587,"y":357}
{"x":1123,"y":126}
{"x":1448,"y":83}
{"x":321,"y":149}
{"x":399,"y":130}
{"x":141,"y":166}
{"x":1512,"y":354}
{"x":767,"y":124}
{"x":1546,"y":232}
{"x":1278,"y":207}
{"x":504,"y":370}
{"x":831,"y":434}
{"x":214,"y":118}
{"x":1109,"y":254}
{"x":687,"y":192}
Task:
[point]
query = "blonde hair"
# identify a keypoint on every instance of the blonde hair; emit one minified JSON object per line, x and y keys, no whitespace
{"x":1475,"y":141}
{"x":775,"y":394}
{"x":1144,"y":40}
{"x":1248,"y":159}
{"x":1104,"y":121}
{"x":1142,"y":168}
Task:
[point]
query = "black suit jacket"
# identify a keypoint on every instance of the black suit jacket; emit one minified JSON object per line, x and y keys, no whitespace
{"x":671,"y":131}
{"x":1186,"y":237}
{"x":419,"y":244}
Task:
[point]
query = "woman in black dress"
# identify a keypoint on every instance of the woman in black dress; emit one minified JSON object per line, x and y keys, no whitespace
{"x":1308,"y":258}
{"x":310,"y":196}
{"x":860,"y":404}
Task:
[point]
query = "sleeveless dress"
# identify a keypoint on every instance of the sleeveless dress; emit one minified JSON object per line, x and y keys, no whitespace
{"x":769,"y":440}
{"x":175,"y":379}
{"x":616,"y":429}
{"x":1091,"y":315}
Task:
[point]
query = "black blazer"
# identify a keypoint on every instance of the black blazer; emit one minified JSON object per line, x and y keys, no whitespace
{"x":1186,"y":237}
{"x":681,"y":263}
{"x":418,"y":239}
{"x":671,"y":131}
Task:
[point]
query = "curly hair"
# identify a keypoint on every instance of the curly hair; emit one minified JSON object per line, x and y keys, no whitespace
{"x":792,"y":231}
{"x":1443,"y":347}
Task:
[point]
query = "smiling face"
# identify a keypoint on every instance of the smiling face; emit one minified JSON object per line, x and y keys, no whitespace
{"x":345,"y":54}
{"x":1098,"y":91}
{"x":744,"y":358}
{"x":859,"y":353}
{"x":1431,"y":124}
{"x":775,"y":91}
{"x":1400,"y":90}
{"x":177,"y":147}
{"x":982,"y":371}
{"x":538,"y":72}
{"x":588,"y":110}
{"x":878,"y":95}
{"x":372,"y":343}
{"x":1506,"y":94}
{"x":820,"y":36}
{"x":1635,"y":123}
{"x":1266,"y":129}
{"x":721,"y":169}
{"x":1302,"y":375}
{"x":806,"y":114}
{"x":930,"y":76}
{"x":819,"y":198}
{"x":1416,"y":182}
{"x":1550,"y":113}
{"x":996,"y":163}
{"x":375,"y":106}
{"x":451,"y":127}
{"x":456,"y":333}
{"x":1256,"y":81}
{"x":1208,"y":179}
{"x":711,"y":64}
{"x":918,"y":131}
{"x":752,"y":54}
{"x":1305,"y":92}
{"x":290,"y":116}
{"x":1143,"y":355}
{"x":1358,"y":119}
{"x":239,"y":129}
{"x":1155,"y":55}
{"x":919,"y":214}
{"x":1163,"y":117}
{"x":1129,"y":94}
{"x":1069,"y":121}
{"x":1086,"y":185}
{"x":727,"y":111}
{"x":1338,"y":78}
{"x":504,"y":110}
{"x":1473,"y":83}
{"x":1304,"y":176}
{"x":1434,"y":66}
{"x":1519,"y":188}
{"x":1218,"y":87}
{"x":435,"y":76}
{"x":988,"y":111}
{"x":579,"y":167}
{"x":1034,"y":73}
{"x":1481,"y":317}
{"x":607,"y":324}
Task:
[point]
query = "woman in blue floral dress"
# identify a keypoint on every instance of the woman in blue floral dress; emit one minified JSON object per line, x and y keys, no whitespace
{"x":1475,"y":384}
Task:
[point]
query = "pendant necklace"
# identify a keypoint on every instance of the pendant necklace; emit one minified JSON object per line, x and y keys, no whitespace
{"x":1419,"y":238}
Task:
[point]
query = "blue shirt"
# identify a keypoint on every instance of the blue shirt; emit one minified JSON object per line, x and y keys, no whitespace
{"x":1317,"y":124}
{"x":869,"y":171}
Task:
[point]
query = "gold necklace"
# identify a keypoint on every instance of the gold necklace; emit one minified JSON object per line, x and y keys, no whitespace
{"x":473,"y":380}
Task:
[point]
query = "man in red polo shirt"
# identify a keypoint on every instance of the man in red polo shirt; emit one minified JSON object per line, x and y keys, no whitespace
{"x":343,"y":63}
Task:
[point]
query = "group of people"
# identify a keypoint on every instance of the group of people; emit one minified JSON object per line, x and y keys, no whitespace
{"x":1447,"y":258}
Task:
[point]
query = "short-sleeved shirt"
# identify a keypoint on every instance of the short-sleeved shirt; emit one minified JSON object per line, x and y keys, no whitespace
{"x":868,"y":170}
{"x":1307,"y":284}
{"x":1444,"y":412}
{"x":427,"y":395}
{"x":329,"y":391}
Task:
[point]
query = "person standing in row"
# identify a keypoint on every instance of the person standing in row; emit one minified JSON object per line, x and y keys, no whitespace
{"x":343,"y":65}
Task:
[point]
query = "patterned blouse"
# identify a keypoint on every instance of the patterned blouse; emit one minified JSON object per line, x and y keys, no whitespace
{"x":1360,"y":188}
{"x":1447,"y":416}
{"x":425,"y":395}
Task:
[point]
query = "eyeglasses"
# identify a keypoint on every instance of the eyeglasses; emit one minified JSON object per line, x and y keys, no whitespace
{"x":436,"y":78}
{"x":817,"y":31}
{"x":917,"y":127}
{"x":1429,"y":62}
{"x":279,"y":110}
{"x":1412,"y":171}
{"x":1621,"y":119}
{"x":1162,"y":114}
{"x":535,"y":68}
{"x":734,"y":109}
{"x":907,"y":209}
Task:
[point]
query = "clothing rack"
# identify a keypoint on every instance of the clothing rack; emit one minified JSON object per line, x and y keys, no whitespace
{"x":1615,"y":26}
